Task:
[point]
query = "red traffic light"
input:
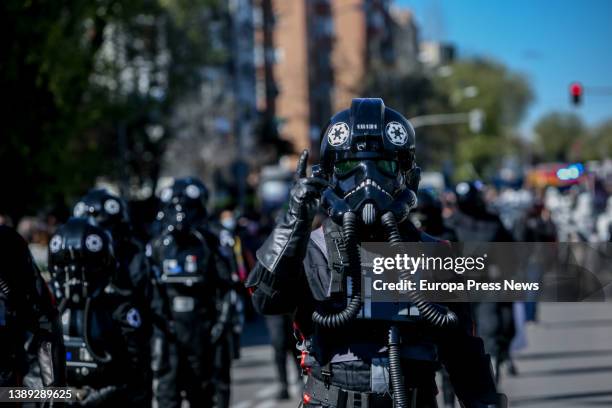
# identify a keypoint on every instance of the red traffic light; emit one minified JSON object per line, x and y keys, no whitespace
{"x":576,"y":91}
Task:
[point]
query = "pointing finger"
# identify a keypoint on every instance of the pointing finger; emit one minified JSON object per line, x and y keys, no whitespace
{"x":301,"y":165}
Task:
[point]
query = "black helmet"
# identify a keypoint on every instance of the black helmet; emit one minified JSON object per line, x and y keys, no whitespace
{"x":106,"y":209}
{"x":368,"y":155}
{"x":428,"y":201}
{"x":183,"y":205}
{"x":470,"y":199}
{"x":428,"y":210}
{"x":81,"y":259}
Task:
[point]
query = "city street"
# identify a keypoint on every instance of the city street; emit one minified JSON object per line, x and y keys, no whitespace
{"x":567,"y":362}
{"x":254,"y":382}
{"x":158,"y":156}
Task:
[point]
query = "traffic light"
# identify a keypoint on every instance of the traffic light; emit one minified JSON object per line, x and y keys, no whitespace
{"x":576,"y":91}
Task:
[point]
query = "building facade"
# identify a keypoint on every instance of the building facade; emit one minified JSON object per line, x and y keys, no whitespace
{"x":312,"y":57}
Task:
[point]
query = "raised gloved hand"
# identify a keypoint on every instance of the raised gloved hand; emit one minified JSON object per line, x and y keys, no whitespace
{"x":290,"y":235}
{"x":306,"y":192}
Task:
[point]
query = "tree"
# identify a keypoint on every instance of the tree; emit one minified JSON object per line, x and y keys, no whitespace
{"x":84,"y":81}
{"x":414,"y":94}
{"x":484,"y":84}
{"x":49,"y":54}
{"x":600,"y":144}
{"x":502,"y":95}
{"x":561,"y":137}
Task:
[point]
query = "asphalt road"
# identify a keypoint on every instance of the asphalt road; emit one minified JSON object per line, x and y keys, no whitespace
{"x":254,"y":383}
{"x":568,"y":359}
{"x":567,"y":362}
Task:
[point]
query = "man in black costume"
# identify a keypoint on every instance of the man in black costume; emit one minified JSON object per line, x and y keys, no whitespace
{"x":475,"y":223}
{"x":27,"y":316}
{"x":358,"y":356}
{"x":195,"y":287}
{"x":110,"y":212}
{"x":107,"y":347}
{"x":427,"y":216}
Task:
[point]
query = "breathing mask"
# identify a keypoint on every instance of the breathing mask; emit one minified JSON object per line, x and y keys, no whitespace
{"x":367,"y":155}
{"x":105,"y":209}
{"x":183,"y":205}
{"x":81,"y":260}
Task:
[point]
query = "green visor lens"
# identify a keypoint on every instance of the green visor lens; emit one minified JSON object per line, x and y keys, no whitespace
{"x":388,"y":166}
{"x":346,"y":166}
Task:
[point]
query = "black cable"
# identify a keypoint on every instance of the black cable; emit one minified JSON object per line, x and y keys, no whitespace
{"x":107,"y":357}
{"x":349,"y":231}
{"x":395,"y":370}
{"x":432,"y":313}
{"x":437,"y":315}
{"x":4,"y":287}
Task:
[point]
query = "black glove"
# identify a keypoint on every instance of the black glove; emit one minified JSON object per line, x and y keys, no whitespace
{"x":96,"y":397}
{"x":306,"y":192}
{"x":290,"y":235}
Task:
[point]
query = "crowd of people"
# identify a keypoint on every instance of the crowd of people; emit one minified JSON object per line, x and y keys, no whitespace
{"x":114,"y":314}
{"x":136,"y":313}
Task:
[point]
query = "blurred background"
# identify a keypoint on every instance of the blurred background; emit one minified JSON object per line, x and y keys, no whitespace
{"x":129,"y":94}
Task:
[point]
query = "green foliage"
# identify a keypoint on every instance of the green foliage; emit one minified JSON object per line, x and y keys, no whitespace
{"x":416,"y":95}
{"x":64,"y":106}
{"x":560,"y":137}
{"x":502,"y":95}
{"x":49,"y":49}
{"x":600,"y":145}
{"x":479,"y":154}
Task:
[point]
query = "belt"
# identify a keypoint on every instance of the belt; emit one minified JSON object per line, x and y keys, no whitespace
{"x":318,"y":392}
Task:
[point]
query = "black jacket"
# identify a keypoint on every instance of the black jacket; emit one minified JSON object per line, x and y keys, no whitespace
{"x":118,"y":357}
{"x":193,"y":277}
{"x":292,"y":276}
{"x":27,"y":316}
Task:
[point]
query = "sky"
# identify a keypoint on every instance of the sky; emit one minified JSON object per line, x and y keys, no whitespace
{"x":551,"y":42}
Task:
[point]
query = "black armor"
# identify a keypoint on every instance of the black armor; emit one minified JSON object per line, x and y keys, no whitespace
{"x":356,"y":352}
{"x":107,"y":351}
{"x":427,"y":216}
{"x":474,"y":223}
{"x":183,"y":205}
{"x":28,"y":316}
{"x":111,"y":213}
{"x":194,"y":280}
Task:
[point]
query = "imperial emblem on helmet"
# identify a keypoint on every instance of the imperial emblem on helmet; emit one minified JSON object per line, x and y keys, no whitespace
{"x":396,"y":133}
{"x":338,"y":134}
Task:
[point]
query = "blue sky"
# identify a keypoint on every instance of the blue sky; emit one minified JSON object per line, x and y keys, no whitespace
{"x":552,"y":42}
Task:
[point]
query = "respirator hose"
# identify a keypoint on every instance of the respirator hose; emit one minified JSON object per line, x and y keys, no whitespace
{"x":434,"y":314}
{"x":349,"y":231}
{"x":86,"y":315}
{"x":4,"y":288}
{"x":395,"y":369}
